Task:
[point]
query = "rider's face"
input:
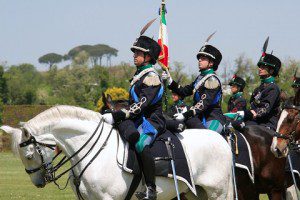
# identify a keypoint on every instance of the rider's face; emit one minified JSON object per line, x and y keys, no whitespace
{"x":140,"y":58}
{"x":204,"y":63}
{"x":264,"y":71}
{"x":175,"y":97}
{"x":234,"y":89}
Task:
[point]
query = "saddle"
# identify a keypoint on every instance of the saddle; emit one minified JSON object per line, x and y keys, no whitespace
{"x":127,"y":159}
{"x":243,"y":154}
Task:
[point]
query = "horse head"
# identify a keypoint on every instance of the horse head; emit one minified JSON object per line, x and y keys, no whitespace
{"x":112,"y":105}
{"x":35,"y":156}
{"x":288,"y":131}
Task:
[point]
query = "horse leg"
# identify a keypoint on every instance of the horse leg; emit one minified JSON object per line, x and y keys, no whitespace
{"x":201,"y":194}
{"x":182,"y":197}
{"x":279,"y":194}
{"x":245,"y":187}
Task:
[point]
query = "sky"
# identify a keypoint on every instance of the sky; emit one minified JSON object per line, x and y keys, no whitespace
{"x":32,"y":28}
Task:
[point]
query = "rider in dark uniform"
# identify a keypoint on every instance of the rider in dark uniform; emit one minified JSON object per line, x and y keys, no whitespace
{"x":144,"y":121}
{"x":265,"y":100}
{"x":237,"y":102}
{"x":296,"y":86}
{"x":178,"y":107}
{"x":206,"y":110}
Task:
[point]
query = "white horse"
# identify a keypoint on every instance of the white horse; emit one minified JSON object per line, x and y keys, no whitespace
{"x":70,"y":127}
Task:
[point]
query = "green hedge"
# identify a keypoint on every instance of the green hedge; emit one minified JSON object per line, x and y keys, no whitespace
{"x":14,"y":114}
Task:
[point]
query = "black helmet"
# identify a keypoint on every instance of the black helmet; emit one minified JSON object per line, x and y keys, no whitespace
{"x":212,"y":53}
{"x":296,"y":82}
{"x":271,"y":61}
{"x":147,"y":45}
{"x":236,"y":80}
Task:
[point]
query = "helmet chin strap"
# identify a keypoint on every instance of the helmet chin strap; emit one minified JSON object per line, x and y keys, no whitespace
{"x":144,"y":63}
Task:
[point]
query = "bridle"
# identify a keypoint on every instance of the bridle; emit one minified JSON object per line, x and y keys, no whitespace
{"x":290,"y":136}
{"x":48,"y":167}
{"x":37,"y":145}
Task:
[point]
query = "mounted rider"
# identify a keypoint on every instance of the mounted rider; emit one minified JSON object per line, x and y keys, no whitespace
{"x":144,"y":121}
{"x":207,"y":91}
{"x":296,"y":87}
{"x":178,"y":106}
{"x":237,"y":102}
{"x":265,"y":100}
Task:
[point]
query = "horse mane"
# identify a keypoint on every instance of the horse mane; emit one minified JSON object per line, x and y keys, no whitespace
{"x":57,"y":113}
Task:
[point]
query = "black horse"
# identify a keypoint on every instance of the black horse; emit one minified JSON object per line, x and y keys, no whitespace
{"x":112,"y":105}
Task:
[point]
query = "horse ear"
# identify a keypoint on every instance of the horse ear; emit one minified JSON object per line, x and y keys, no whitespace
{"x":9,"y":130}
{"x":109,"y":99}
{"x":103,"y":98}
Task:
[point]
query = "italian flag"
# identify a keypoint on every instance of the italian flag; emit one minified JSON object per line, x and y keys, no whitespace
{"x":163,"y":59}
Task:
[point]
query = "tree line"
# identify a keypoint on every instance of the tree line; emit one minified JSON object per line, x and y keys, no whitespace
{"x":82,"y":85}
{"x":81,"y":55}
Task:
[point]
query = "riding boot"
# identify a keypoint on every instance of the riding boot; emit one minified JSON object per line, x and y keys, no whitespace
{"x":148,"y":168}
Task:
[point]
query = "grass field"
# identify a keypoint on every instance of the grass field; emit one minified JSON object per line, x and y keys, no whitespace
{"x":16,"y":184}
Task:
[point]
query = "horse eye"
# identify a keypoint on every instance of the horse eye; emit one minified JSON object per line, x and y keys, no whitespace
{"x":290,"y":118}
{"x":26,"y":134}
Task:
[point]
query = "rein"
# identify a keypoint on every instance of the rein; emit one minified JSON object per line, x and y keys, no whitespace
{"x":290,"y":136}
{"x":50,"y":171}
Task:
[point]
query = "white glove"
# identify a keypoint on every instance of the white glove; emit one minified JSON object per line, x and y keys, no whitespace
{"x":241,"y":114}
{"x":167,"y":76}
{"x":179,"y":117}
{"x":108,"y":118}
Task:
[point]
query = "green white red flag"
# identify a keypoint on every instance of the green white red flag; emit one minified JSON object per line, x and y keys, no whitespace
{"x":163,"y":59}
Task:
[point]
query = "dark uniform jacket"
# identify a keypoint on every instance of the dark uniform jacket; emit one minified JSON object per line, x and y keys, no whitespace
{"x":145,"y":100}
{"x":207,"y":98}
{"x":265,"y":101}
{"x":237,"y":103}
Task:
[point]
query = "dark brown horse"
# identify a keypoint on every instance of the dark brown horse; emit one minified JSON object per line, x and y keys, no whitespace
{"x":269,"y":171}
{"x":288,"y":131}
{"x":288,"y":137}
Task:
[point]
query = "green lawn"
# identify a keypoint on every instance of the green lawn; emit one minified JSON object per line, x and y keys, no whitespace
{"x":16,"y":184}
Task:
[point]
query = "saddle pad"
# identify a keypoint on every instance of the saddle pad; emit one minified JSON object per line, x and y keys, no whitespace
{"x":243,"y":159}
{"x":295,"y":158}
{"x":129,"y":163}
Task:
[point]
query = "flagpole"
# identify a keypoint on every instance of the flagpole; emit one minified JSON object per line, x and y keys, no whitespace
{"x":165,"y":81}
{"x":164,"y":66}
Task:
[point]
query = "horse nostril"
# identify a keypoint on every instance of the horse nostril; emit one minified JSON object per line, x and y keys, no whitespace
{"x":278,"y":152}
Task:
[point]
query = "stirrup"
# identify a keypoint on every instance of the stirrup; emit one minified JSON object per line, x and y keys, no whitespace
{"x":140,"y":195}
{"x":149,"y":194}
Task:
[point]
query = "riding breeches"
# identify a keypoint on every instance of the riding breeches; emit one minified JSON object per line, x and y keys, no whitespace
{"x":138,"y":137}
